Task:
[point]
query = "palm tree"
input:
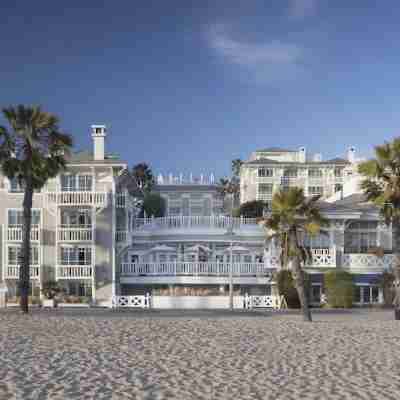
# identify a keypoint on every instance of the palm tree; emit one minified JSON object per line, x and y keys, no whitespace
{"x":382,"y":186}
{"x":32,"y":150}
{"x":228,"y":187}
{"x":144,"y":177}
{"x":293,"y":216}
{"x":236,"y":166}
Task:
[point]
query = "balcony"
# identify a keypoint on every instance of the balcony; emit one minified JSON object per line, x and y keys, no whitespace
{"x":97,"y":199}
{"x":74,"y":271}
{"x":14,"y":233}
{"x":194,"y":269}
{"x":121,"y":236}
{"x":75,"y":234}
{"x":365,"y":262}
{"x":12,"y":272}
{"x":177,"y":222}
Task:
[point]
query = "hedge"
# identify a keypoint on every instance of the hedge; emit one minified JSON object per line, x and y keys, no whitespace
{"x":339,"y":289}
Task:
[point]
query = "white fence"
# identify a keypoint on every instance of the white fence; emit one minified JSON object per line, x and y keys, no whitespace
{"x":272,"y":301}
{"x":320,"y":258}
{"x":367,"y":261}
{"x":131,"y":301}
{"x":194,"y":269}
{"x":174,"y":222}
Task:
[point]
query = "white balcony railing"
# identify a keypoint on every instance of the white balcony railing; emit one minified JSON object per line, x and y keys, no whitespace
{"x":323,"y":257}
{"x":71,"y":234}
{"x":120,"y":200}
{"x":12,"y":272}
{"x":173,"y":222}
{"x":121,"y":236}
{"x":14,"y":234}
{"x":367,"y":261}
{"x":320,"y":258}
{"x":194,"y":269}
{"x":74,"y":271}
{"x":98,"y":199}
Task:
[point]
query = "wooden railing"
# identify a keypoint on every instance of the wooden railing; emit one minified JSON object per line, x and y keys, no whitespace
{"x":14,"y":233}
{"x":12,"y":272}
{"x":71,"y":234}
{"x":172,"y":222}
{"x":98,"y":199}
{"x":194,"y":269}
{"x":74,"y":271}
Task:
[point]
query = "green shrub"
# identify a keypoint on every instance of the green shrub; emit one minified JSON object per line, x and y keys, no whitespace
{"x":339,"y":289}
{"x":287,"y":289}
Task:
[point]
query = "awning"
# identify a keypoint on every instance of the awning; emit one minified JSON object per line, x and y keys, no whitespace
{"x":198,"y":247}
{"x":162,"y":247}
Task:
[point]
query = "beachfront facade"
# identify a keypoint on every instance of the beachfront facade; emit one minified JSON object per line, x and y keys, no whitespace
{"x":87,"y":235}
{"x":74,"y":221}
{"x":271,"y":169}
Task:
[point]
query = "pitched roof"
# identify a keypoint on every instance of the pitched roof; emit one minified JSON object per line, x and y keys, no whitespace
{"x":275,"y":150}
{"x":84,"y":157}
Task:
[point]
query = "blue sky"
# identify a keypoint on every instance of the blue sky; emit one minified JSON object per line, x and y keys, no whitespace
{"x":189,"y":85}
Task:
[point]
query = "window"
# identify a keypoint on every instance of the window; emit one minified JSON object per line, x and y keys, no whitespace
{"x":321,"y":241}
{"x":98,"y":130}
{"x":247,"y":258}
{"x":366,"y":294}
{"x":76,"y":255}
{"x":290,"y":173}
{"x":338,"y":172}
{"x":15,"y":218}
{"x":174,"y":211}
{"x":80,"y":218}
{"x":315,"y":190}
{"x":15,"y":255}
{"x":265,"y":188}
{"x":265,"y":172}
{"x":360,"y":237}
{"x":72,"y":183}
{"x":338,"y":187}
{"x":196,"y":210}
{"x":315,"y":173}
{"x":15,"y":186}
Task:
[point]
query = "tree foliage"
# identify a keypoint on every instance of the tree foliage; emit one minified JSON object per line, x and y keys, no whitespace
{"x":293,"y":215}
{"x":32,"y":150}
{"x":153,"y":205}
{"x":144,"y":177}
{"x":339,"y":289}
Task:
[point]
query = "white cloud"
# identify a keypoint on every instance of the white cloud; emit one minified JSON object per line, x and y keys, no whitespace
{"x":266,"y":61}
{"x":299,"y":9}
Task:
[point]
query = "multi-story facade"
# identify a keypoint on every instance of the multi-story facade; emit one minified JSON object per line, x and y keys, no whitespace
{"x":86,"y":234}
{"x":74,"y":221}
{"x":272,"y":169}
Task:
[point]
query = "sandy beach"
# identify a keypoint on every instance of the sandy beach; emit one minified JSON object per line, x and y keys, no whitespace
{"x":198,"y":355}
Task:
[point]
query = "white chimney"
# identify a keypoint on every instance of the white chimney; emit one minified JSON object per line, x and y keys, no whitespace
{"x":98,"y":135}
{"x":351,"y":154}
{"x":302,"y":154}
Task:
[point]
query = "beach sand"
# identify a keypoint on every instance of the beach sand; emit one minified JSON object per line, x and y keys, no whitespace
{"x":55,"y":354}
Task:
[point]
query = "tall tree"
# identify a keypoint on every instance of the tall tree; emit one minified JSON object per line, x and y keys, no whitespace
{"x":236,"y":166}
{"x":144,"y":177}
{"x":32,"y":150}
{"x":382,"y":186}
{"x":293,"y":216}
{"x":228,"y":187}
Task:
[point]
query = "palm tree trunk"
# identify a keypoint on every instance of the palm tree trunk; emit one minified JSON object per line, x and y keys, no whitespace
{"x":298,"y":275}
{"x":396,"y":265}
{"x":24,"y":272}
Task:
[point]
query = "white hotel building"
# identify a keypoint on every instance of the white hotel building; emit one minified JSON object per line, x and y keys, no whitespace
{"x":87,"y":237}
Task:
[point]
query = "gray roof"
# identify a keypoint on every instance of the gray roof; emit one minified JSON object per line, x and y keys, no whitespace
{"x":356,"y":202}
{"x":266,"y":161}
{"x":85,"y":157}
{"x":275,"y":150}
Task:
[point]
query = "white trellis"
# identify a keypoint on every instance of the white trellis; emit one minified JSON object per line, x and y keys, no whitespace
{"x":272,"y":301}
{"x":131,"y":301}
